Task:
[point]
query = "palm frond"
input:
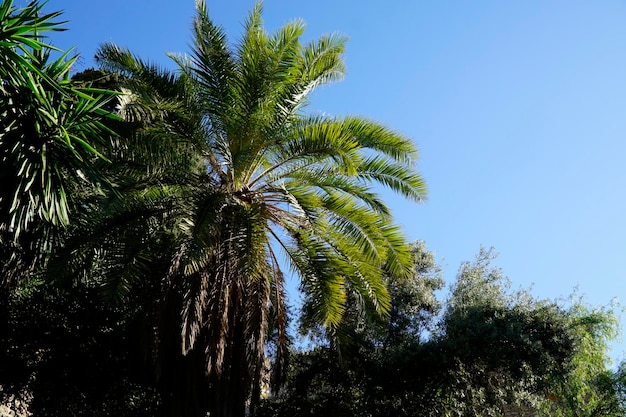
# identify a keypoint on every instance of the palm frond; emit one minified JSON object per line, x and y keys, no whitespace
{"x":398,"y":177}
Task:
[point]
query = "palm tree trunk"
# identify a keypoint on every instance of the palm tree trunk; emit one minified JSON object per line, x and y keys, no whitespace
{"x":181,"y":379}
{"x":185,"y":387}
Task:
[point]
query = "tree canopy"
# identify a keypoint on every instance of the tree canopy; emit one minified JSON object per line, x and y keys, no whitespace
{"x":490,"y":350}
{"x":215,"y":172}
{"x":149,"y":220}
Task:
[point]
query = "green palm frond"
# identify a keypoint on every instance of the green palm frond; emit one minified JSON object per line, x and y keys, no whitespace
{"x":320,"y":276}
{"x":150,"y":88}
{"x":328,"y":180}
{"x":211,"y":66}
{"x":398,"y":177}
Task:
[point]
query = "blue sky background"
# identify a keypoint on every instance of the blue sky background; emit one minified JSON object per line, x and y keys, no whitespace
{"x":518,"y":109}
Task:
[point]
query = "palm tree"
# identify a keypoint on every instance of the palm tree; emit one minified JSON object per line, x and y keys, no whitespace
{"x":51,"y":135}
{"x":245,"y":182}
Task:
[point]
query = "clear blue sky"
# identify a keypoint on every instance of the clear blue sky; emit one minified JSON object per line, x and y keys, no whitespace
{"x":518,"y":108}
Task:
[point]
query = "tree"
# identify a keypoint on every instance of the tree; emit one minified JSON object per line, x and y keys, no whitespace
{"x":561,"y":348}
{"x":499,"y":348}
{"x":590,"y":388}
{"x":492,"y":349}
{"x":50,"y":132}
{"x":66,"y":352}
{"x":248,"y":176}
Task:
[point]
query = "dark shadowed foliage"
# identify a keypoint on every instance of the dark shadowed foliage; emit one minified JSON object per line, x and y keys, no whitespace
{"x":66,"y":353}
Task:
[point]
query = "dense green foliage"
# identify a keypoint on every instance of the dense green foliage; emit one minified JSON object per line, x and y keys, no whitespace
{"x":492,"y":349}
{"x":65,"y":352}
{"x":590,"y":388}
{"x":51,"y":135}
{"x":215,"y":174}
{"x":143,"y":213}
